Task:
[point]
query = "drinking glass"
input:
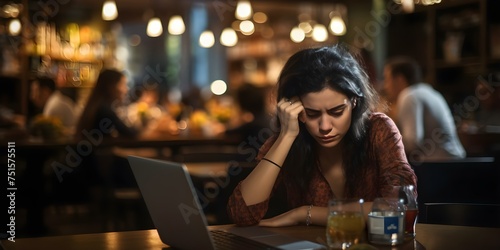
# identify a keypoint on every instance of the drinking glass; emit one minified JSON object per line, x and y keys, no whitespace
{"x":346,"y":224}
{"x":407,"y":193}
{"x":386,"y":221}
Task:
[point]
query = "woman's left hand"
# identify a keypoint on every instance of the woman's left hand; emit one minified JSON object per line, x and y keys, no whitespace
{"x":290,"y":218}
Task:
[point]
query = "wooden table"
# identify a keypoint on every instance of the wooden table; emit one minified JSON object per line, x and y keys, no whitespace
{"x":429,"y":237}
{"x":208,"y":169}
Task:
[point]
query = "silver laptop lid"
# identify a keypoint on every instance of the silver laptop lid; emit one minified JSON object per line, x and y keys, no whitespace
{"x":172,"y":203}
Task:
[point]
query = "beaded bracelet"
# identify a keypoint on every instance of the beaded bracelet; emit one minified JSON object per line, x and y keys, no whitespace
{"x":272,"y":162}
{"x":308,"y":216}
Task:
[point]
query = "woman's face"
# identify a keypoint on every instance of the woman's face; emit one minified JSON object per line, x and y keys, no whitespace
{"x":327,"y":116}
{"x":122,"y":89}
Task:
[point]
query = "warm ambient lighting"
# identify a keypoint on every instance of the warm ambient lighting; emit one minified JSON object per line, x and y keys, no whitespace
{"x":243,"y":10}
{"x":260,"y":17}
{"x":14,"y":27}
{"x":154,"y":28}
{"x":228,"y":37}
{"x":297,"y":35}
{"x":109,"y":11}
{"x":218,"y":87}
{"x":306,"y":27}
{"x":408,"y":5}
{"x":247,"y":27}
{"x":207,"y":39}
{"x":176,"y":25}
{"x":320,"y":34}
{"x":337,"y":26}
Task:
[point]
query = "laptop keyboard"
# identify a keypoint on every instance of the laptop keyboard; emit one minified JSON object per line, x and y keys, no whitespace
{"x":225,"y":240}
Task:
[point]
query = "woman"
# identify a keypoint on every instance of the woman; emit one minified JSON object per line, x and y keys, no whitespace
{"x":331,"y":144}
{"x":100,"y":113}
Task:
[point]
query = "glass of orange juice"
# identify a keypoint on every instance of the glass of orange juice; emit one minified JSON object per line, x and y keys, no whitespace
{"x":346,"y":223}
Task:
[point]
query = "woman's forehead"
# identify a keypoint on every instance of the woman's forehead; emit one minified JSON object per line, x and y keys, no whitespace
{"x":326,"y":96}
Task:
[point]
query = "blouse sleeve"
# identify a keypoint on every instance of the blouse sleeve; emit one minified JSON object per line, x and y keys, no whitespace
{"x":389,"y":150}
{"x":239,"y":212}
{"x":242,"y":214}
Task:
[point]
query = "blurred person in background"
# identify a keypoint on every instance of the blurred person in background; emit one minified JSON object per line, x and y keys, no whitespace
{"x":46,"y":97}
{"x":101,"y":111}
{"x":422,"y":114}
{"x":256,"y":120}
{"x":103,"y":117}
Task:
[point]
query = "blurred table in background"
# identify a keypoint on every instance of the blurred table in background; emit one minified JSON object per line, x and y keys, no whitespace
{"x":36,"y":160}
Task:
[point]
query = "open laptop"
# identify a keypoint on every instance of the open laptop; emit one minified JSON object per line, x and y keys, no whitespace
{"x":175,"y":210}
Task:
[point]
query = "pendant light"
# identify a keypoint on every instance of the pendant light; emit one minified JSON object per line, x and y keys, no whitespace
{"x":109,"y":10}
{"x":176,"y":25}
{"x":228,"y":37}
{"x":14,"y":27}
{"x":155,"y":27}
{"x":319,"y":33}
{"x":297,"y":35}
{"x":408,"y":6}
{"x":243,"y":10}
{"x":337,"y":26}
{"x":207,"y":39}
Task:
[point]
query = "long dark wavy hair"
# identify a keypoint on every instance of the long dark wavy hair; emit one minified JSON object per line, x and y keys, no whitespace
{"x":104,"y":93}
{"x":310,"y":71}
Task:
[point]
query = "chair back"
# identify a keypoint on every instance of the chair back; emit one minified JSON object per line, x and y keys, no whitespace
{"x":463,"y":214}
{"x":471,"y":180}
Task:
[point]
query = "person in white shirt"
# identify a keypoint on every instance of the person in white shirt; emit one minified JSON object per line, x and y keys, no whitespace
{"x":55,"y":104}
{"x":422,"y":114}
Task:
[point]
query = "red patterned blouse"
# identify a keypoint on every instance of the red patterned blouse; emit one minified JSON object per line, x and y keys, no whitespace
{"x":389,"y":167}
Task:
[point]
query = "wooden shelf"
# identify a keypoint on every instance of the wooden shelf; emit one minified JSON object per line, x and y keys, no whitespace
{"x":473,"y":22}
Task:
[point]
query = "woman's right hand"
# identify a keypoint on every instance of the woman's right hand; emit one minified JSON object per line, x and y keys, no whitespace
{"x":288,"y":113}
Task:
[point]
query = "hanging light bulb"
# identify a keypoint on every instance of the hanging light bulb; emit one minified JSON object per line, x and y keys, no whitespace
{"x":408,"y":5}
{"x":176,"y":25}
{"x":207,"y":39}
{"x":337,"y":26}
{"x":14,"y":27}
{"x":319,"y":34}
{"x":228,"y":37}
{"x":247,"y":27}
{"x":218,"y":87}
{"x":297,"y":35}
{"x":154,"y":28}
{"x":109,"y":11}
{"x":243,"y":10}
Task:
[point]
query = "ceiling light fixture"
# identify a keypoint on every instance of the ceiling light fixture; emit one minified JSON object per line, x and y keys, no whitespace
{"x":14,"y":27}
{"x":337,"y":26}
{"x":228,"y":38}
{"x":207,"y":39}
{"x":155,"y":28}
{"x":243,"y":10}
{"x":319,"y":34}
{"x":176,"y":25}
{"x":408,"y":6}
{"x":109,"y":10}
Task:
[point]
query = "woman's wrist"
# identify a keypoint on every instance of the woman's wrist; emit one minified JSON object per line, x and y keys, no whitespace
{"x":284,"y":137}
{"x":309,"y":215}
{"x":301,"y":215}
